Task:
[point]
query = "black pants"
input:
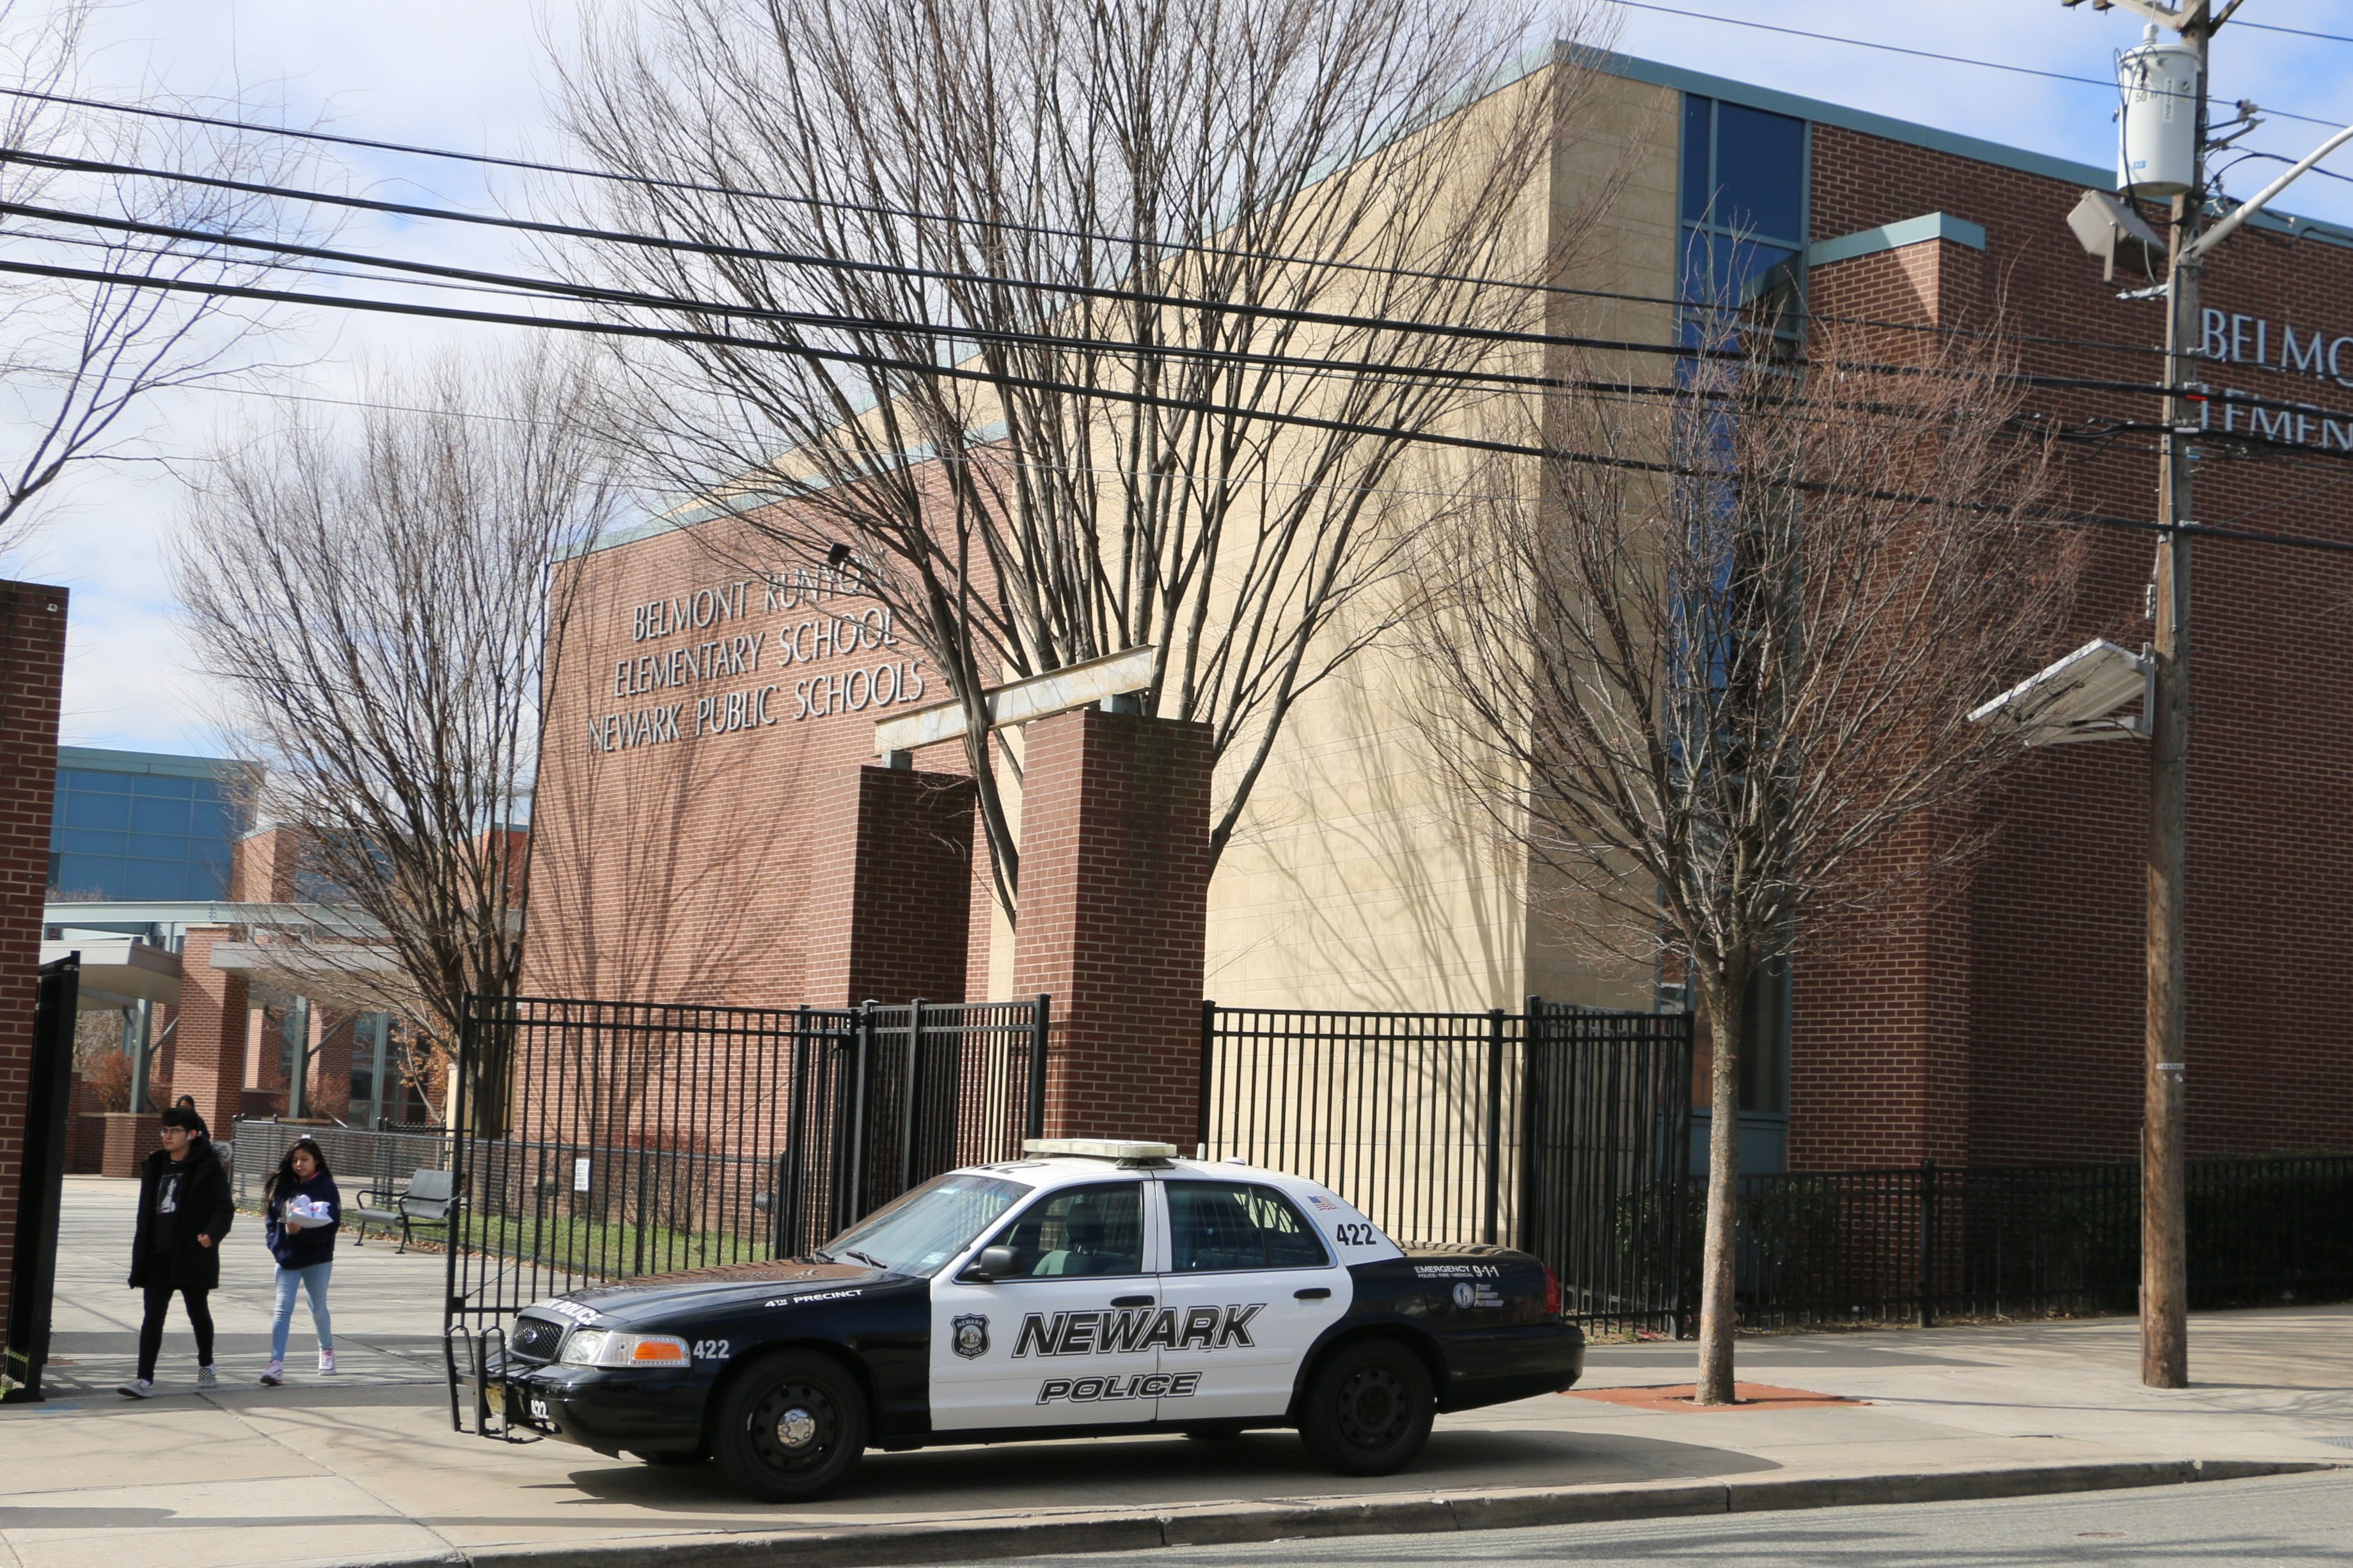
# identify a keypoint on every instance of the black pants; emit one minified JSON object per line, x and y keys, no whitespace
{"x":151,"y":1327}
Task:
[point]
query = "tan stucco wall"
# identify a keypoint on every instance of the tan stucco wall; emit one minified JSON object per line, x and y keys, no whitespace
{"x":1359,"y":878}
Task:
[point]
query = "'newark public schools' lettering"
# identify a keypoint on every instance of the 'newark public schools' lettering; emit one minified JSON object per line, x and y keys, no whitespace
{"x":1141,"y":1385}
{"x":1118,"y":1332}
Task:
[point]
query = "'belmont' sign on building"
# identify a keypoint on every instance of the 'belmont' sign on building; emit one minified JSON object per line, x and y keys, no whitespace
{"x":2234,"y":338}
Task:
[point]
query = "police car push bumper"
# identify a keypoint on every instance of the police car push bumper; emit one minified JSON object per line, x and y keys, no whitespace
{"x":1106,"y":1288}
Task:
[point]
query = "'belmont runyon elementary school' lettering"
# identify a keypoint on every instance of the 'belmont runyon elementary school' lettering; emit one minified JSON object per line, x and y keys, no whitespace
{"x":2234,"y":338}
{"x":837,"y":637}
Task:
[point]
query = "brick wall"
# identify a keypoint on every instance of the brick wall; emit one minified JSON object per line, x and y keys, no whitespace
{"x":209,"y":1058}
{"x":2001,"y":1021}
{"x":687,"y":799}
{"x":1115,"y":901}
{"x":32,"y":674}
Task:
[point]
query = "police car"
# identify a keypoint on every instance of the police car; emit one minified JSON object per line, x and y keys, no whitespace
{"x":1094,"y":1287}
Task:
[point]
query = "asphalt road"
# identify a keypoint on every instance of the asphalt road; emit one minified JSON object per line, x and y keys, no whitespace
{"x":2294,"y":1519}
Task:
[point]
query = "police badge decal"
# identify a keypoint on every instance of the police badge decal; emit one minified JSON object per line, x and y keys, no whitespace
{"x":971,"y":1336}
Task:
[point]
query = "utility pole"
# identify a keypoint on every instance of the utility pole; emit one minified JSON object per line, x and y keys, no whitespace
{"x":2164,"y":1160}
{"x":2164,"y":1251}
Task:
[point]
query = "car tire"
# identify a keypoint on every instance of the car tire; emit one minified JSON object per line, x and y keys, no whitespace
{"x":791,"y":1428}
{"x":1368,"y":1409}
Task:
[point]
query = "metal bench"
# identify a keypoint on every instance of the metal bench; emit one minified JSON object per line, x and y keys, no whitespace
{"x":425,"y":1201}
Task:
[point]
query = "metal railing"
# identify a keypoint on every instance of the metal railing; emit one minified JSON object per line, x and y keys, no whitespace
{"x":361,"y":1159}
{"x":636,"y":1139}
{"x":1921,"y":1243}
{"x":1560,"y":1130}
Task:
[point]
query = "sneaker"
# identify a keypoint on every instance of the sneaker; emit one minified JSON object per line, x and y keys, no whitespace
{"x":137,"y":1387}
{"x":326,"y":1362}
{"x":275,"y":1376}
{"x":207,"y":1378}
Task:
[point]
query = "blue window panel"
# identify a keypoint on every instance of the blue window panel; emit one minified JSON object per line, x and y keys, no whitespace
{"x":212,"y":820}
{"x":1761,"y":167}
{"x":1699,"y":139}
{"x":172,"y":846}
{"x":93,"y":841}
{"x":156,"y":879}
{"x":83,"y":809}
{"x":1720,"y":270}
{"x":155,"y":787}
{"x":97,"y":875}
{"x":88,"y":780}
{"x":149,"y":816}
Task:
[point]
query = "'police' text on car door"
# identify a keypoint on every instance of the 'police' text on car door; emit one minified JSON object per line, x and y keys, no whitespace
{"x":1248,"y":1286}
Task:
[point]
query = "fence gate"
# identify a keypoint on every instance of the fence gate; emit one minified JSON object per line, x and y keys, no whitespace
{"x":40,"y":1182}
{"x":601,"y":1141}
{"x":1560,"y":1130}
{"x":1605,"y":1140}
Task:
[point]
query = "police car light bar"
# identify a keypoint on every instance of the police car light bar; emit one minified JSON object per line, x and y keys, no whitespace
{"x":1126,"y":1151}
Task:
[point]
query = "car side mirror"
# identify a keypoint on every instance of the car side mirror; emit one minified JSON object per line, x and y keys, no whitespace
{"x":994,"y":1263}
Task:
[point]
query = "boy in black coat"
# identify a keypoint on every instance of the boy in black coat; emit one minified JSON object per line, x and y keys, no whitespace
{"x":183,"y":1212}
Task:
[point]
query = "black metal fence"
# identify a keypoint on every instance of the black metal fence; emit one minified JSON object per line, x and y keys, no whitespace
{"x":639,"y":1139}
{"x":1922,"y":1243}
{"x":1562,"y":1130}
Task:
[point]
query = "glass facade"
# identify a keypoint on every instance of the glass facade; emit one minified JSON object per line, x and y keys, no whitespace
{"x":133,"y":827}
{"x":1743,"y":204}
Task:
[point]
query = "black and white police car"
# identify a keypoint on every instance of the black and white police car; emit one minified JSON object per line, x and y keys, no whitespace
{"x":1094,"y":1287}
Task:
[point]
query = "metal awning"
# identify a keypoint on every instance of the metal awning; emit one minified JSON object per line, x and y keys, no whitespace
{"x":117,"y":971}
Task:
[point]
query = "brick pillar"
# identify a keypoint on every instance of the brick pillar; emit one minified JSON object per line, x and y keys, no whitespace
{"x":208,"y":1061}
{"x":32,"y":685}
{"x":1114,"y":918}
{"x":890,"y":889}
{"x":328,"y":1091}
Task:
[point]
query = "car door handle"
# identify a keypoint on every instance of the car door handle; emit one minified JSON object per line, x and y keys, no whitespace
{"x":1313,"y":1293}
{"x":1131,"y":1300}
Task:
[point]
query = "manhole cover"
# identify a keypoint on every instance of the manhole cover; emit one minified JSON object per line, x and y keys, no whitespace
{"x":2336,"y":1442}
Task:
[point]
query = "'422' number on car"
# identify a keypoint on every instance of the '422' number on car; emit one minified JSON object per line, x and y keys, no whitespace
{"x":710,"y":1350}
{"x":1354,"y":1235}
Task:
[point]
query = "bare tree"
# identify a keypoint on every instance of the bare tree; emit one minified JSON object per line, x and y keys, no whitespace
{"x":83,"y":353}
{"x":374,"y":608}
{"x":1713,"y":654}
{"x":1088,"y":327}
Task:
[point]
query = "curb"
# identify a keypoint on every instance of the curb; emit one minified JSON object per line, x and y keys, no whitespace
{"x":1231,"y":1523}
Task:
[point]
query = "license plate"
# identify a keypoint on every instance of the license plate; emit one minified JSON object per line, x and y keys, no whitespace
{"x":539,"y":1409}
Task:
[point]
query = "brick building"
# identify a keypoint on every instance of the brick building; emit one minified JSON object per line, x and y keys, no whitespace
{"x":712,"y":709}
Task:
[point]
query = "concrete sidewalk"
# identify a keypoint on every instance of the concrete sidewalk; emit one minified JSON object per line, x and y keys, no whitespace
{"x":364,"y":1469}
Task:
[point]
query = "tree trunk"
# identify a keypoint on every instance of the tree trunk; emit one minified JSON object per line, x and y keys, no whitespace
{"x":1720,"y":995}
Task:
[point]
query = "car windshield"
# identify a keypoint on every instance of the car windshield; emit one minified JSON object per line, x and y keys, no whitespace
{"x":921,"y":1231}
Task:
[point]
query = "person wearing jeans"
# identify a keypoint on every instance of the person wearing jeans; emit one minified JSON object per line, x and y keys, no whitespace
{"x":184,"y":1210}
{"x":302,"y":1213}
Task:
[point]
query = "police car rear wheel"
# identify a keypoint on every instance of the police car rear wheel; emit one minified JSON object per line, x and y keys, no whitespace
{"x":792,"y":1429}
{"x":1369,"y":1409}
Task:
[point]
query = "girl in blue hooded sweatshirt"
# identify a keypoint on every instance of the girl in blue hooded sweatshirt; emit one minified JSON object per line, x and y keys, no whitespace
{"x":304,"y":1213}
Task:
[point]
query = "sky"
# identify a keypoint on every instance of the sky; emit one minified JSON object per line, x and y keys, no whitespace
{"x":470,"y":76}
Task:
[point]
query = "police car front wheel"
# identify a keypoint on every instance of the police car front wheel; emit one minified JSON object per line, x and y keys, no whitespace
{"x":1368,"y":1411}
{"x":792,"y":1429}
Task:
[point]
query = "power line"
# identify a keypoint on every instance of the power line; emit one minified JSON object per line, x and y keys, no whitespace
{"x":1925,"y":53}
{"x":1505,"y":448}
{"x":910,"y":271}
{"x":542,"y":290}
{"x":2300,"y":32}
{"x":536,"y":287}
